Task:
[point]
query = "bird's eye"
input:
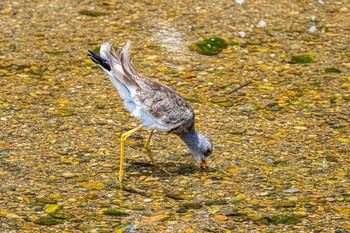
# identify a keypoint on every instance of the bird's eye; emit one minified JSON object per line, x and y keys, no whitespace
{"x":208,"y":152}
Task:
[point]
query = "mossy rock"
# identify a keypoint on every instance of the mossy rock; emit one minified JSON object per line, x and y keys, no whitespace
{"x":121,"y":227}
{"x":285,"y":204}
{"x":192,"y":205}
{"x":66,"y":112}
{"x":211,"y":46}
{"x":56,"y":53}
{"x":61,"y":215}
{"x":304,"y":59}
{"x":114,"y":212}
{"x":47,"y":221}
{"x":44,"y":200}
{"x":226,"y":104}
{"x":332,"y":70}
{"x":283,"y":219}
{"x":215,"y":202}
{"x":175,"y":195}
{"x":91,"y":13}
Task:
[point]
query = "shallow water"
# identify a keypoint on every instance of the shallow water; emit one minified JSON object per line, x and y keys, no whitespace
{"x":280,"y":129}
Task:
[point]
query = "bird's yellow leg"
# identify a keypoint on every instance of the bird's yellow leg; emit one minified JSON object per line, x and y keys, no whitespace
{"x":122,"y":142}
{"x":149,"y":153}
{"x":148,"y":147}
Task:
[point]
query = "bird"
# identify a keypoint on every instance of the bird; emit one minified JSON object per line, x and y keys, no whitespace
{"x":156,"y":105}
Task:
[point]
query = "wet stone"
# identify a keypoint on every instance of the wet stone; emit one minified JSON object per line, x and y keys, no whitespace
{"x":192,"y":205}
{"x":47,"y":221}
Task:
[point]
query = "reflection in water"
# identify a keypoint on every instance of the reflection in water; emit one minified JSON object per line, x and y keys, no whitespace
{"x":171,"y":40}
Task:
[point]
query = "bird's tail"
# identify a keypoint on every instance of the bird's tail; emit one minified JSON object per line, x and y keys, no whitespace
{"x":116,"y":63}
{"x":99,"y":60}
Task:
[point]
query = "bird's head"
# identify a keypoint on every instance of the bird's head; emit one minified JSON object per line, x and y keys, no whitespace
{"x":200,"y":147}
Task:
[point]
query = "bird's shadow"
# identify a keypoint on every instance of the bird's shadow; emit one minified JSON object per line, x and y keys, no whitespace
{"x":172,"y":169}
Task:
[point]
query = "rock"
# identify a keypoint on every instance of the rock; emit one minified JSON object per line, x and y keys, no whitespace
{"x":291,"y":190}
{"x":181,"y":210}
{"x":192,"y":205}
{"x":215,"y":202}
{"x":68,"y":174}
{"x":46,"y":221}
{"x":175,"y":195}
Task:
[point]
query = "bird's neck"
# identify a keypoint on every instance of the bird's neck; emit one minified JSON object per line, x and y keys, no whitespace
{"x":191,"y":138}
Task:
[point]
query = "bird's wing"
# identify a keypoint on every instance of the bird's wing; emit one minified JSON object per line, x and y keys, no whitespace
{"x":164,"y":104}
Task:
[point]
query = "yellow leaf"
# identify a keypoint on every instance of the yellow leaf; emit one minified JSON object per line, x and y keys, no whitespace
{"x":266,"y":168}
{"x":26,"y":199}
{"x":343,"y":140}
{"x":63,"y":102}
{"x":331,"y":181}
{"x":270,"y":142}
{"x":34,"y":68}
{"x":4,"y":213}
{"x":233,"y":170}
{"x":221,"y":217}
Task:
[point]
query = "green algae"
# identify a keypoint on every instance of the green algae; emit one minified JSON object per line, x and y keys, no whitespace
{"x":114,"y":212}
{"x":283,"y":219}
{"x":62,"y":215}
{"x":332,"y":70}
{"x":304,"y":59}
{"x":211,"y":46}
{"x":46,"y":221}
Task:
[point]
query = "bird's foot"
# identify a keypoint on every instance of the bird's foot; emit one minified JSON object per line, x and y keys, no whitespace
{"x":160,"y":168}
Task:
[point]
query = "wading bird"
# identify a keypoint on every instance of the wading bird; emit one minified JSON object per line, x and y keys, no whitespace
{"x":158,"y":106}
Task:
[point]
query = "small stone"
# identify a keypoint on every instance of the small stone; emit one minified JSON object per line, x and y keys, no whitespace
{"x":181,"y":210}
{"x":68,"y":174}
{"x":291,"y":190}
{"x":148,"y":200}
